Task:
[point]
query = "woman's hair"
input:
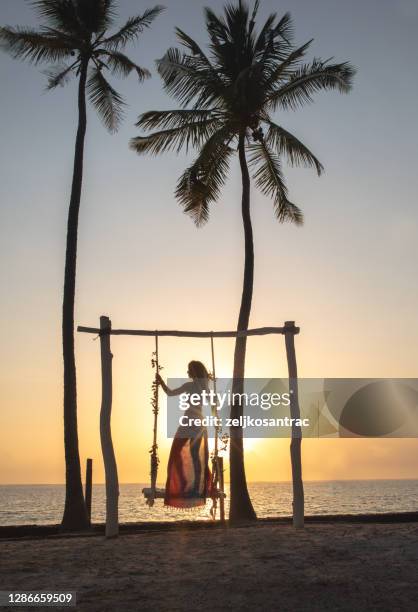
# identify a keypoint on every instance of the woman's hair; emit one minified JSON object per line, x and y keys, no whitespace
{"x":198,"y":370}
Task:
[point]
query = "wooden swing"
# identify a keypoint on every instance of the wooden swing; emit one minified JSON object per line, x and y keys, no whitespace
{"x":152,"y":493}
{"x":111,"y":472}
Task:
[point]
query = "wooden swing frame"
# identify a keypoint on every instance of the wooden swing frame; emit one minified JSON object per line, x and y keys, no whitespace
{"x":289,"y":330}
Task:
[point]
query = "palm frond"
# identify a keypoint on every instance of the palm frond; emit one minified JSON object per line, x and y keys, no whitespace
{"x":121,"y":65}
{"x":36,"y":47}
{"x":132,"y":28}
{"x":108,"y":103}
{"x":173,"y":118}
{"x":236,"y":19}
{"x":274,"y":42}
{"x":269,"y":179}
{"x":96,"y":15}
{"x":265,"y":36}
{"x":60,"y":14}
{"x":191,"y":45}
{"x":201,"y":183}
{"x":216,"y":26}
{"x":59,"y":75}
{"x":308,"y":80}
{"x":232,"y":39}
{"x":185,"y":80}
{"x":280,"y":71}
{"x":251,"y":24}
{"x":284,"y":29}
{"x":286,"y":143}
{"x":187,"y":131}
{"x":200,"y":59}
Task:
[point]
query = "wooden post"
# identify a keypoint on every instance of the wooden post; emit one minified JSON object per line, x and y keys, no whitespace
{"x":111,"y":471}
{"x":89,"y":484}
{"x":296,"y":442}
{"x":221,"y":488}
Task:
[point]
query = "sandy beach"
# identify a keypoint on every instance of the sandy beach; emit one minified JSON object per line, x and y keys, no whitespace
{"x":267,"y":566}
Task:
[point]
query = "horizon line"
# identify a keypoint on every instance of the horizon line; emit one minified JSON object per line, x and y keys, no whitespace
{"x":53,"y":484}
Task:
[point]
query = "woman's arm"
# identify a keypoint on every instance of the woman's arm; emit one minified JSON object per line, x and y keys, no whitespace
{"x":185,"y":388}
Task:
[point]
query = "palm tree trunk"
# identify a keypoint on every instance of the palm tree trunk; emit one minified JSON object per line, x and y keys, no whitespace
{"x":241,"y":508}
{"x":75,"y":513}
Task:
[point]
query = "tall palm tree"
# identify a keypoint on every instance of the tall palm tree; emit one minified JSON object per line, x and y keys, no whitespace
{"x":74,"y":37}
{"x":227,"y":99}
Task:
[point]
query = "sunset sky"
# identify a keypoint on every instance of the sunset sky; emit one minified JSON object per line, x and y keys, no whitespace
{"x":346,"y":277}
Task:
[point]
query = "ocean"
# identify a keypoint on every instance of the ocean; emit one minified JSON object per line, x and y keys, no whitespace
{"x":43,"y":504}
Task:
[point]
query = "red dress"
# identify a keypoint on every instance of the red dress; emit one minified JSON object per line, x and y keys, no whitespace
{"x":189,"y":479}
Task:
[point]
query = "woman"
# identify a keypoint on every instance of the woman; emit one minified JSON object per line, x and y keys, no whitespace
{"x":188,"y":475}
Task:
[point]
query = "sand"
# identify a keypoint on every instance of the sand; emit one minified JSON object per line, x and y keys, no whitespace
{"x":265,"y":567}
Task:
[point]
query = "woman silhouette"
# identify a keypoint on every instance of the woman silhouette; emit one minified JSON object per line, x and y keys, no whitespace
{"x":188,"y":475}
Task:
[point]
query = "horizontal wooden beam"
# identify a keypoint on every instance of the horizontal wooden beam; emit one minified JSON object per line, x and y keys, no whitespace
{"x":258,"y":331}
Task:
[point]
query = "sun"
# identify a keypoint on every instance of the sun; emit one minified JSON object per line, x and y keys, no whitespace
{"x":250,"y":444}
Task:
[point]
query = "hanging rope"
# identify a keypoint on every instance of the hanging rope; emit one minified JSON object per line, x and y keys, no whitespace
{"x":154,"y":460}
{"x":217,"y":461}
{"x":216,"y":450}
{"x":220,"y":436}
{"x":217,"y":477}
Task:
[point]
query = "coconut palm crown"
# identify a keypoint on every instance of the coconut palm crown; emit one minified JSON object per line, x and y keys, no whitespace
{"x":230,"y":95}
{"x":76,"y":33}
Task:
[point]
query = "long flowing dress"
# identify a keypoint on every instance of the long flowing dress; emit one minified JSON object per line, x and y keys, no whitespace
{"x":188,"y":474}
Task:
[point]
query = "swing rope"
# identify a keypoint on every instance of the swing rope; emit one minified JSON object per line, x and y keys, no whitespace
{"x":215,"y":454}
{"x":217,"y":463}
{"x":154,"y":459}
{"x":220,"y":437}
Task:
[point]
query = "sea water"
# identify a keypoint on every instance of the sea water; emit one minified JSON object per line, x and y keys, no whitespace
{"x":43,"y":504}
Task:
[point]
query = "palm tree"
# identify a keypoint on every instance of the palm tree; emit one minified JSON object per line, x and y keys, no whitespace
{"x":75,"y":39}
{"x":227,"y":100}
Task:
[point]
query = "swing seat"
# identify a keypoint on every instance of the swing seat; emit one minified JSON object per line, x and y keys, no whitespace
{"x":160,"y":493}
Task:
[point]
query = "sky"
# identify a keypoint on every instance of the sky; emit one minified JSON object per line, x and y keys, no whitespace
{"x":346,"y":277}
